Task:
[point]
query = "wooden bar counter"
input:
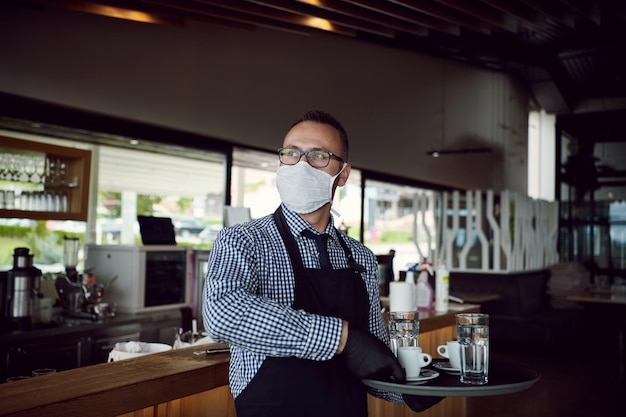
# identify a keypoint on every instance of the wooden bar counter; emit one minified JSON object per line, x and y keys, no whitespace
{"x":180,"y":383}
{"x":164,"y":384}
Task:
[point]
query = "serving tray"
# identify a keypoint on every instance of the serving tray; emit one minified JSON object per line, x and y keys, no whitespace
{"x":503,"y":379}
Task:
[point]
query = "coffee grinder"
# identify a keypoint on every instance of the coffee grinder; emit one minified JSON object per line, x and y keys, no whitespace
{"x":23,"y":285}
{"x":70,"y":257}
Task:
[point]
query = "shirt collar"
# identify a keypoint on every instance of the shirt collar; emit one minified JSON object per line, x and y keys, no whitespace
{"x":297,"y":224}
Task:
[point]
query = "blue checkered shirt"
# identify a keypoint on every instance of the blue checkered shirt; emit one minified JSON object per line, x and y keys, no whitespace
{"x":250,"y":288}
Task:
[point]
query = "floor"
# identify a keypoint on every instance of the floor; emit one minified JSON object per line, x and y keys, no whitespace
{"x":582,"y":376}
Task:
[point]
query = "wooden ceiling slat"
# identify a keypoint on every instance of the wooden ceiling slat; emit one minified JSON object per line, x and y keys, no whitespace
{"x":553,"y":9}
{"x":185,"y":11}
{"x":519,"y":11}
{"x":226,"y":12}
{"x":266,"y":17}
{"x":587,"y":9}
{"x":484,"y":13}
{"x":446,"y":14}
{"x":366,"y":14}
{"x":193,"y":11}
{"x":391,"y":9}
{"x":306,"y":10}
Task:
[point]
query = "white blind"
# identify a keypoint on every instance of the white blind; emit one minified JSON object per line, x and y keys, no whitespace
{"x":122,"y":169}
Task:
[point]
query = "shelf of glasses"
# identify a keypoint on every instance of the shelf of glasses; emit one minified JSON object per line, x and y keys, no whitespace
{"x":56,"y":177}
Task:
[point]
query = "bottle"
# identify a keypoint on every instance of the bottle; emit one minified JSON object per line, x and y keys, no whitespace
{"x":424,"y":290}
{"x":442,"y":288}
{"x":410,"y":279}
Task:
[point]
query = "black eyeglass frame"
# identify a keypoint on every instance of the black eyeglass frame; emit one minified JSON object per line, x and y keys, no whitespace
{"x":306,"y":154}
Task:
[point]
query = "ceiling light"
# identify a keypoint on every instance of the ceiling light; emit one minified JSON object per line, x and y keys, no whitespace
{"x":318,"y":23}
{"x":116,"y":12}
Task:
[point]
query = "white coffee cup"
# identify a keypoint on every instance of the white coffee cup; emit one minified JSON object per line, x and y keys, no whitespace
{"x":413,"y":360}
{"x":451,"y":351}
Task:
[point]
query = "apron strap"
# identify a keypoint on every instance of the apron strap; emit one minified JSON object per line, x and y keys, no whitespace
{"x":356,"y":267}
{"x":290,"y":243}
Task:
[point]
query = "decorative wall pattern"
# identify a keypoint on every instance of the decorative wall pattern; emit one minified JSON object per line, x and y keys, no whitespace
{"x":484,"y":231}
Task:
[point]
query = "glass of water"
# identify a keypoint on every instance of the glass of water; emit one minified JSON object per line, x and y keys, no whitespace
{"x":404,"y":328}
{"x":473,"y":332}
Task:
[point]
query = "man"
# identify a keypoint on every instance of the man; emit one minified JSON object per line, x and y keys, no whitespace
{"x":303,"y":321}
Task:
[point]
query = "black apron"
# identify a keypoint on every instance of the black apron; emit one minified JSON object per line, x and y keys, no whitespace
{"x":293,"y":387}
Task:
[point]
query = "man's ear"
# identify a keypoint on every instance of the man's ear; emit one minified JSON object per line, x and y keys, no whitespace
{"x":343,"y":177}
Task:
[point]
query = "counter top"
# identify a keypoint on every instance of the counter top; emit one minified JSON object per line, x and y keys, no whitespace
{"x":602,"y":298}
{"x":115,"y":388}
{"x":68,"y":325}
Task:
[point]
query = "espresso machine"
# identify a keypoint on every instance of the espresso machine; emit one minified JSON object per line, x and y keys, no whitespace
{"x":22,"y":292}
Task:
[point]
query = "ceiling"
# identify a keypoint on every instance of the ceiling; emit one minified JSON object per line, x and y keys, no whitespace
{"x":571,"y":54}
{"x":567,"y":52}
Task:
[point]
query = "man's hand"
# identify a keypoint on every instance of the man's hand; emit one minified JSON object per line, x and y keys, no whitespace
{"x":367,"y":357}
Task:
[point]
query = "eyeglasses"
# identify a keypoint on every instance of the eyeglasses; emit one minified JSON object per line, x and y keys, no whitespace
{"x":316,"y":158}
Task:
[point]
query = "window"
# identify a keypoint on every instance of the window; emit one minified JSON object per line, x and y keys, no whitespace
{"x":184,"y":185}
{"x":254,"y":181}
{"x":400,"y":218}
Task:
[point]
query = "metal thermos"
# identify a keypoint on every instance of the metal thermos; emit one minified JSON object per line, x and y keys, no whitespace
{"x":23,"y":287}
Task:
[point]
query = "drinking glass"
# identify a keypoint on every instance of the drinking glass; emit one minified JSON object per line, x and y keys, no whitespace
{"x":404,"y":327}
{"x":473,"y":332}
{"x":30,"y":168}
{"x":17,"y":378}
{"x":43,"y":371}
{"x":4,"y":166}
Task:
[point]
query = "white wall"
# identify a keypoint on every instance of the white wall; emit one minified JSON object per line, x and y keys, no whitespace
{"x":248,"y":86}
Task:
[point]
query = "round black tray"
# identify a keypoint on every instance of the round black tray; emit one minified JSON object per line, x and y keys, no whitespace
{"x":503,"y":379}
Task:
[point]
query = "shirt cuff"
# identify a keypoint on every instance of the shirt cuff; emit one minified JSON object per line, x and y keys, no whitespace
{"x":323,"y":338}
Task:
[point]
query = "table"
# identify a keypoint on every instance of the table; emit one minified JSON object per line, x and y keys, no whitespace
{"x":503,"y":379}
{"x":599,"y":297}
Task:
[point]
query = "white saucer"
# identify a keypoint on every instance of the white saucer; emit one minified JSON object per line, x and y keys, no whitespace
{"x":425,"y":375}
{"x":446,"y":367}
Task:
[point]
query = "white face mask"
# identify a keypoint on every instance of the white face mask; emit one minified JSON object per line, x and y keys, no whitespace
{"x":303,"y":188}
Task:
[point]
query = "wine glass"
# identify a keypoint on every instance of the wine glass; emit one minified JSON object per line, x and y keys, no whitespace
{"x":40,"y":169}
{"x":30,"y":167}
{"x":15,"y":167}
{"x":4,"y":166}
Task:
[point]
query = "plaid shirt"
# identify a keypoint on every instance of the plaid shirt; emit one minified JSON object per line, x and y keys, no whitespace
{"x":249,"y":291}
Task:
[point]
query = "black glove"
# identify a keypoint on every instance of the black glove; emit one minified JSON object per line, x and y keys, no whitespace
{"x":419,"y":403}
{"x":367,"y":357}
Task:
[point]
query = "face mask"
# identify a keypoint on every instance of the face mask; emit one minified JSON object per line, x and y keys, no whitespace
{"x":303,"y":188}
